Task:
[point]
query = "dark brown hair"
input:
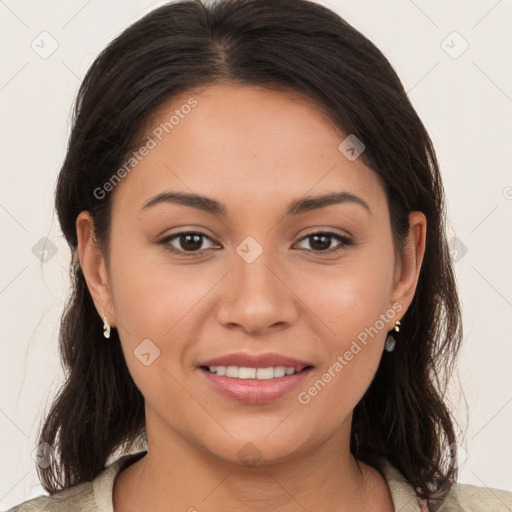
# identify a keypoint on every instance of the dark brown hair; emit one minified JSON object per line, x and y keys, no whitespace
{"x":303,"y":47}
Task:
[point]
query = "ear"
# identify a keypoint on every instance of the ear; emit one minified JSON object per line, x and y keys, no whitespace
{"x":407,"y":269}
{"x":92,"y":262}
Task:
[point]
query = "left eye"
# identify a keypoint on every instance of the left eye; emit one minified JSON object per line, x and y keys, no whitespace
{"x":322,"y":241}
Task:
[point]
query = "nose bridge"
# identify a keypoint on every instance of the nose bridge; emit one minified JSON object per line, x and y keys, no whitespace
{"x":255,"y":298}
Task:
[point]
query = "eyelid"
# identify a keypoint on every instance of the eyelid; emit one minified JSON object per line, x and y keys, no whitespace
{"x":326,"y":230}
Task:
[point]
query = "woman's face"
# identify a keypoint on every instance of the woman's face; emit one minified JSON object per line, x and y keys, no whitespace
{"x":254,"y":281}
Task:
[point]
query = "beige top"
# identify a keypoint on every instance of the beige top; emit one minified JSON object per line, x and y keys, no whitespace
{"x":96,"y":496}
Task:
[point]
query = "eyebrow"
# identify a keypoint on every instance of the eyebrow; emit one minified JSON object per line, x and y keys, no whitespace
{"x":296,"y":207}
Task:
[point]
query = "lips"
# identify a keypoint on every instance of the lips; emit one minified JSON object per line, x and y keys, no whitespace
{"x":265,"y":360}
{"x":253,"y":391}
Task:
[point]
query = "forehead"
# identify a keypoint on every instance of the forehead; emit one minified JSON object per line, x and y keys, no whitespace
{"x":238,"y":142}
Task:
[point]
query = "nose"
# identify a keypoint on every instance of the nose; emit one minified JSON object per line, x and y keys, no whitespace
{"x":257,"y":297}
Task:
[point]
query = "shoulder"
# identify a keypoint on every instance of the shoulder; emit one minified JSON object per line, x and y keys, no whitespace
{"x":78,"y":497}
{"x":472,"y":498}
{"x":94,"y":496}
{"x":460,"y":498}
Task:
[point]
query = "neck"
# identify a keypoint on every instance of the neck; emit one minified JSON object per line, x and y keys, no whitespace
{"x":177,"y":472}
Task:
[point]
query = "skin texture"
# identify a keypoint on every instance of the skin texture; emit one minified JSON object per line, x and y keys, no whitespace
{"x":254,"y":150}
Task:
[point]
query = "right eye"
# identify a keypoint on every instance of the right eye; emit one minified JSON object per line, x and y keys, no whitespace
{"x":190,"y":242}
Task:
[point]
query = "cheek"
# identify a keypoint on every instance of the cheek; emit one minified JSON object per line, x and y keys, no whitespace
{"x":351,"y":355}
{"x":153,"y":294}
{"x":154,"y":309}
{"x":164,"y":303}
{"x":353,"y":305}
{"x":351,"y":296}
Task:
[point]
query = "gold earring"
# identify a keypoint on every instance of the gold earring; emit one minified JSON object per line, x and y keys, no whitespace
{"x":390,"y":340}
{"x":106,"y":327}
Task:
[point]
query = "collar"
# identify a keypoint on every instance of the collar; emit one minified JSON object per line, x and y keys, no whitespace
{"x":403,"y":494}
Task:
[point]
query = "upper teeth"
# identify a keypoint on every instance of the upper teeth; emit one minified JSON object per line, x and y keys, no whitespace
{"x":242,"y":372}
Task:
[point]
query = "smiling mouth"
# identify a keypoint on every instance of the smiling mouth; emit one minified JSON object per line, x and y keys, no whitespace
{"x":250,"y":373}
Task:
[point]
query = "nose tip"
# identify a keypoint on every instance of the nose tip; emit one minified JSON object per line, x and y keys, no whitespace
{"x":254,"y":298}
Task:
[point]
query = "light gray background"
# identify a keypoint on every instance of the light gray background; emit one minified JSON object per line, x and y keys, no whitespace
{"x":463,"y":97}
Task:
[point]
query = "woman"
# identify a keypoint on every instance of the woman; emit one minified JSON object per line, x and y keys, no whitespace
{"x":264,"y":312}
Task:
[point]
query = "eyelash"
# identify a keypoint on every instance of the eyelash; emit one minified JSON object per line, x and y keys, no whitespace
{"x":345,"y":242}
